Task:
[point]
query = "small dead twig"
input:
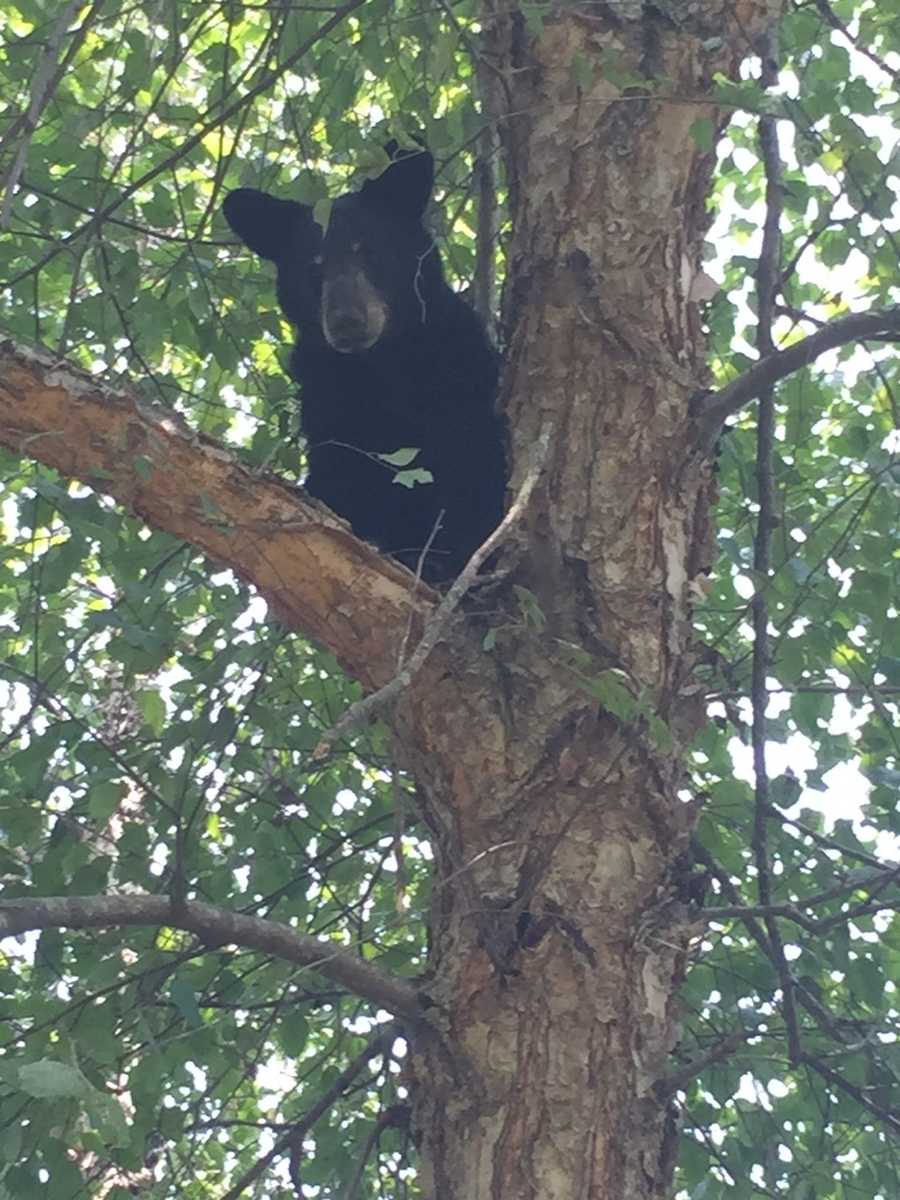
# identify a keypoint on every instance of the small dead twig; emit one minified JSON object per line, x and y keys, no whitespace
{"x":364,"y":709}
{"x":723,"y":1048}
{"x":293,"y":1139}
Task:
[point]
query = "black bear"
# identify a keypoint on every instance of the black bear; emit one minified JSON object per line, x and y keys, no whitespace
{"x":388,"y":357}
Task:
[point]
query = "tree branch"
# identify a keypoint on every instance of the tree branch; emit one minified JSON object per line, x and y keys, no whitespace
{"x":396,"y":1115}
{"x":437,"y":626}
{"x":713,"y":410}
{"x":723,"y":1048}
{"x":791,"y":912}
{"x":44,"y":83}
{"x":768,"y":280}
{"x":890,"y":1118}
{"x":828,"y":14}
{"x":217,"y":926}
{"x":292,"y":1140}
{"x":211,"y":120}
{"x":303,"y":559}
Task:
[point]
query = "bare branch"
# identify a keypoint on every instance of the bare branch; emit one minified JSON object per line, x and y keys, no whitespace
{"x":883,"y":325}
{"x":724,"y":1048}
{"x":43,"y":84}
{"x":303,"y":559}
{"x":437,"y":626}
{"x":219,"y":927}
{"x":768,"y":279}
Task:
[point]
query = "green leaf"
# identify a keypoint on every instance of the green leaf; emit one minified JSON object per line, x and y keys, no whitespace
{"x":294,"y":1034}
{"x":400,"y":458}
{"x":703,"y":133}
{"x":185,"y":1000}
{"x":612,"y":689}
{"x":152,"y":707}
{"x":103,"y":800}
{"x":413,"y":478}
{"x":51,"y":1080}
{"x":322,"y":212}
{"x":582,"y":72}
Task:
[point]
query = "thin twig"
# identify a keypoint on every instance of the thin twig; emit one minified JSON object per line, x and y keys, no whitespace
{"x":724,"y":1048}
{"x":890,"y":1118}
{"x":363,"y":709}
{"x":832,"y":19}
{"x":386,"y":1119}
{"x":803,"y":995}
{"x":379,"y":1044}
{"x":825,"y":222}
{"x":46,"y":78}
{"x":768,"y":276}
{"x":790,"y":912}
{"x":825,"y":842}
{"x":420,"y":565}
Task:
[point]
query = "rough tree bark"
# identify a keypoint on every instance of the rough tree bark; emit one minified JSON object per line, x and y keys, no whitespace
{"x":558,"y":933}
{"x":559,"y":930}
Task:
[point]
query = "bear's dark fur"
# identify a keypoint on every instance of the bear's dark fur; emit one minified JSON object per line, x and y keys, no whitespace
{"x":387,"y":357}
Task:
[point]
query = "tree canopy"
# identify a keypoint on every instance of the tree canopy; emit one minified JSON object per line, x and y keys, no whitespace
{"x":162,"y":726}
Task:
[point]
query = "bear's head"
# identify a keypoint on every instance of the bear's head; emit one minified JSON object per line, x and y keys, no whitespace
{"x":366,"y":276}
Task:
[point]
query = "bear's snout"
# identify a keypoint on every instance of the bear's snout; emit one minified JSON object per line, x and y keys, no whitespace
{"x":353,"y":314}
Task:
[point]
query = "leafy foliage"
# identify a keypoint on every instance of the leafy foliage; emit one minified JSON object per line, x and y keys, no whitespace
{"x":832,"y":711}
{"x":157,"y":725}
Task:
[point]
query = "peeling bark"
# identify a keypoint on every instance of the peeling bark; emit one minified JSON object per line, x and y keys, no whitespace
{"x":300,"y":556}
{"x":559,"y":933}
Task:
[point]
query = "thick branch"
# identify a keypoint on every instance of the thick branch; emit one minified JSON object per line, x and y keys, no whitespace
{"x":771,"y":369}
{"x":303,"y":559}
{"x":217,"y":926}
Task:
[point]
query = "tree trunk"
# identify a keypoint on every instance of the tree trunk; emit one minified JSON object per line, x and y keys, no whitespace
{"x":550,"y":764}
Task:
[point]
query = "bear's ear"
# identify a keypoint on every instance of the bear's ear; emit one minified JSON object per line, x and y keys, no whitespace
{"x":262,"y":222}
{"x":402,"y":189}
